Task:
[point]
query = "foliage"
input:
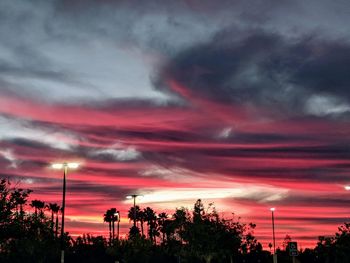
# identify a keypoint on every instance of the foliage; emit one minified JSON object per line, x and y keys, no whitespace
{"x":111,"y":216}
{"x":24,"y":237}
{"x":199,"y":235}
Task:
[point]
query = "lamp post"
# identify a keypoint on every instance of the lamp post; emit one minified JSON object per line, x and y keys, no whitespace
{"x":273,"y":234}
{"x":117,"y":217}
{"x":65,"y":166}
{"x":134,"y":197}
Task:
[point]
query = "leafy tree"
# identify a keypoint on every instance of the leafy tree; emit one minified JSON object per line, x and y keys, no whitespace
{"x":19,"y":197}
{"x":207,"y":236}
{"x":24,"y":237}
{"x":342,"y":243}
{"x":249,"y":242}
{"x":286,"y":241}
{"x":308,"y":256}
{"x":198,"y":236}
{"x":89,"y":249}
{"x":325,"y":249}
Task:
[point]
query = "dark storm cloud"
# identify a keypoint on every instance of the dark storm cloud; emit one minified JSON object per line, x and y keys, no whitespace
{"x":304,"y":75}
{"x":43,"y":40}
{"x":328,"y":152}
{"x":327,"y":164}
{"x":288,"y":57}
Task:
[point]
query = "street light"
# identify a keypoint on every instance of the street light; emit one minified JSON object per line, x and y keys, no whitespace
{"x":65,"y":166}
{"x":272,"y":209}
{"x":117,"y":217}
{"x":347,"y":187}
{"x":134,"y":197}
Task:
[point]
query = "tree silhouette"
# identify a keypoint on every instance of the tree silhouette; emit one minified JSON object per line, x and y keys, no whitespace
{"x":181,"y":216}
{"x":141,"y":217}
{"x":108,"y":217}
{"x":134,"y":230}
{"x":342,"y":243}
{"x":19,"y":198}
{"x":53,"y":208}
{"x":206,"y":235}
{"x":56,"y":212}
{"x":114,"y":218}
{"x":286,"y":240}
{"x":24,"y":237}
{"x":111,"y":216}
{"x":38,"y":206}
{"x":150,"y":217}
{"x":197,"y":236}
{"x":162,"y":225}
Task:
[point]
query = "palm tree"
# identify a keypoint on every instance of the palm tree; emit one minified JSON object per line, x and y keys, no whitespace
{"x":180,"y":218}
{"x":150,"y":217}
{"x":53,"y":208}
{"x":169,"y":228}
{"x":50,"y":210}
{"x":107,"y":217}
{"x":134,"y":230}
{"x":141,"y":217}
{"x":113,"y":211}
{"x":132,"y":213}
{"x":161,"y":222}
{"x":38,"y":205}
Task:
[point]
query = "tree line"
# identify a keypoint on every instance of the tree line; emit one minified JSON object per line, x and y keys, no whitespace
{"x":199,"y":235}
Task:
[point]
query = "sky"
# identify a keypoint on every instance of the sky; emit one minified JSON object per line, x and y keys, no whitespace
{"x":244,"y":104}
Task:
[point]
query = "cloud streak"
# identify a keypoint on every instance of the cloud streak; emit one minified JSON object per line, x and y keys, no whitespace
{"x":244,"y":104}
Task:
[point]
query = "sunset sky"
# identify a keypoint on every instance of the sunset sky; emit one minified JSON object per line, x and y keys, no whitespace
{"x":242,"y":103}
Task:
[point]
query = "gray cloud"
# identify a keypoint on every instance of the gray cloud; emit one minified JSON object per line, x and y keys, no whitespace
{"x":64,"y":51}
{"x":269,"y":70}
{"x":40,"y":133}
